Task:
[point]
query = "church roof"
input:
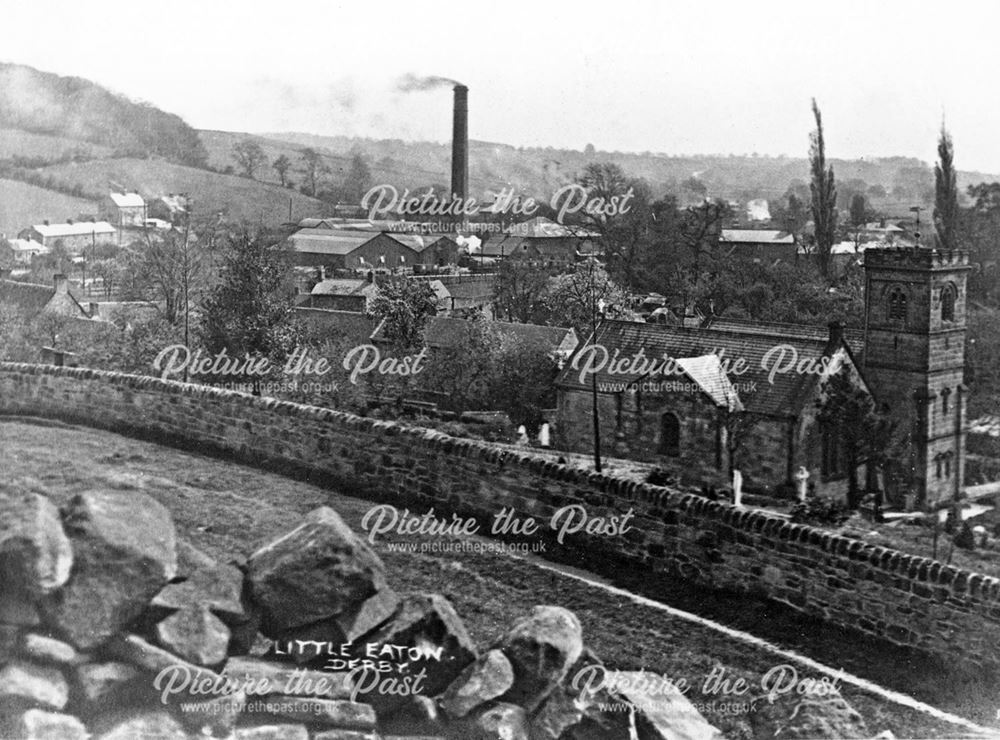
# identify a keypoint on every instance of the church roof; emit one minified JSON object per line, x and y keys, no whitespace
{"x":749,"y":358}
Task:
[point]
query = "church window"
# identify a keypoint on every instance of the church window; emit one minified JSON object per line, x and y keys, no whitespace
{"x":897,"y":304}
{"x":944,"y":400}
{"x":937,"y":466}
{"x":832,"y":459}
{"x":948,"y":303}
{"x":670,"y":435}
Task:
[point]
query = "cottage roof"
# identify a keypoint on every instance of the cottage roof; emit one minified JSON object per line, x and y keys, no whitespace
{"x":32,"y":299}
{"x":755,"y":236}
{"x":28,"y":245}
{"x":76,"y":228}
{"x":780,"y":394}
{"x":352,"y":326}
{"x":127,"y":200}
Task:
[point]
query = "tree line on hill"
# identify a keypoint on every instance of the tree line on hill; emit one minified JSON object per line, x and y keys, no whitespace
{"x":78,"y":109}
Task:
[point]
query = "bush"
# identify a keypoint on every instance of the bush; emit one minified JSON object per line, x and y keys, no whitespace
{"x":965,"y":539}
{"x":820,"y":511}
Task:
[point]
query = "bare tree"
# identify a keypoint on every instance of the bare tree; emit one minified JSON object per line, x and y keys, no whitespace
{"x":313,"y":167}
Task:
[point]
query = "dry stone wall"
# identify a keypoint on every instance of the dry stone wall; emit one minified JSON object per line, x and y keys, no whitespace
{"x":904,"y":599}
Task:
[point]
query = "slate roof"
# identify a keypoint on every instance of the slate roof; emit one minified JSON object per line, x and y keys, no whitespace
{"x":350,"y":325}
{"x":27,"y":297}
{"x":855,"y":337}
{"x":327,"y":241}
{"x":781,"y":398}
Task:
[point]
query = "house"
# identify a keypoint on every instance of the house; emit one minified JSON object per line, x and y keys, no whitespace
{"x":26,"y":249}
{"x":760,"y":245}
{"x":909,"y":357}
{"x":31,"y":299}
{"x":540,"y":241}
{"x":73,"y":236}
{"x":340,"y":294}
{"x":123,"y":210}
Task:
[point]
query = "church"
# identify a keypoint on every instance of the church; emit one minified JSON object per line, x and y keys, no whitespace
{"x":743,"y":395}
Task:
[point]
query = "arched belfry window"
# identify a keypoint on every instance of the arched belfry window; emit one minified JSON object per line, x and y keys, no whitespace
{"x":897,"y":304}
{"x":670,"y":435}
{"x":948,"y":303}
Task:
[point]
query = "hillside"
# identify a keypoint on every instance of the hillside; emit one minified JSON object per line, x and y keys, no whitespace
{"x":22,"y":205}
{"x":237,"y":198}
{"x":906,"y":181}
{"x":30,"y":146}
{"x":74,"y":108}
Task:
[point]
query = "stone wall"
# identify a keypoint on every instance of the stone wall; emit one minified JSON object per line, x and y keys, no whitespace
{"x":904,"y":599}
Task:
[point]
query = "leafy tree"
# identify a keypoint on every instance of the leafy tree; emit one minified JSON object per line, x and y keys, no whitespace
{"x":250,"y":312}
{"x":946,"y":193}
{"x":357,"y":181}
{"x":404,"y":305}
{"x":579,"y":297}
{"x":522,"y":383}
{"x":461,"y":372}
{"x":859,"y":211}
{"x":249,"y":156}
{"x":6,"y":254}
{"x":518,"y":291}
{"x":980,"y":232}
{"x":130,"y":341}
{"x":824,"y":195}
{"x":281,"y":165}
{"x":861,"y":428}
{"x":313,"y":168}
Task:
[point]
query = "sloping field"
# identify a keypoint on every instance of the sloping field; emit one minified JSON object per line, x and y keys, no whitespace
{"x":22,"y":205}
{"x":18,"y":143}
{"x":229,"y":509}
{"x":237,"y":198}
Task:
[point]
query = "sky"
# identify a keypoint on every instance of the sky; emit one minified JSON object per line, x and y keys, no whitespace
{"x":674,"y":77}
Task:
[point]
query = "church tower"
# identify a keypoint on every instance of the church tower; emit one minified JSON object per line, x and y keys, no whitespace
{"x":914,"y":359}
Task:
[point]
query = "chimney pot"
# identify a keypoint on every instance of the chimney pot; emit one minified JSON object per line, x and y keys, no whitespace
{"x":94,"y":310}
{"x":60,"y":283}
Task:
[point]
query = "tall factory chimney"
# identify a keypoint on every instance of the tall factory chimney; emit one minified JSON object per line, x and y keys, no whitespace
{"x":460,"y":144}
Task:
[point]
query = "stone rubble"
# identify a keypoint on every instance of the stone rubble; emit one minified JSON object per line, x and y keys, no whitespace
{"x":114,"y":628}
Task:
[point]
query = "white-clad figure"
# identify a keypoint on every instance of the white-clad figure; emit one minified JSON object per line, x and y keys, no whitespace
{"x":737,"y":488}
{"x":543,"y":435}
{"x":522,"y":436}
{"x":802,"y":482}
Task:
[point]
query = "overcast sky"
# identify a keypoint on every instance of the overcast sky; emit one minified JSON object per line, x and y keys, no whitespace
{"x":705,"y":77}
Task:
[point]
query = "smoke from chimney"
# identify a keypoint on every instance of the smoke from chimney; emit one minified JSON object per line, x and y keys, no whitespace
{"x":460,"y":144}
{"x":417,"y":83}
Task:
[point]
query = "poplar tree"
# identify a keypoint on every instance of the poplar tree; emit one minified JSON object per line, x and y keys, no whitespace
{"x":945,"y":193}
{"x":824,"y":195}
